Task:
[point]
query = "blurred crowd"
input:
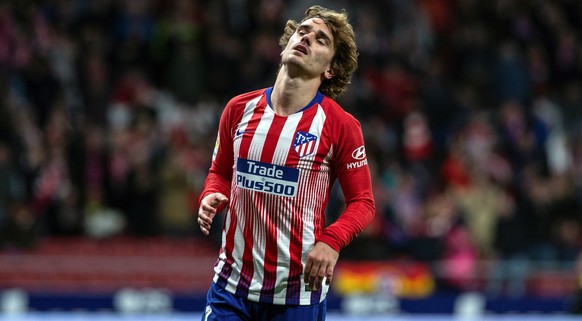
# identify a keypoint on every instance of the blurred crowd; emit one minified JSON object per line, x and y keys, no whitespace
{"x":471,"y":111}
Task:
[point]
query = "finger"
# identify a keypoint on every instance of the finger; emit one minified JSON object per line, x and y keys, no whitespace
{"x":313,"y":274}
{"x":208,"y":208}
{"x":205,"y":217}
{"x":317,"y":278}
{"x":218,"y":200}
{"x":203,"y":222}
{"x":328,"y":274}
{"x":205,"y":228}
{"x":308,"y":266}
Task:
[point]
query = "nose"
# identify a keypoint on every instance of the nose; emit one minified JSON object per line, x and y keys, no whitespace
{"x":307,"y":38}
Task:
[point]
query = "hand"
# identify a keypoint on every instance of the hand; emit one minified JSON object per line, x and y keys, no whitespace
{"x":207,"y":210}
{"x":320,"y":263}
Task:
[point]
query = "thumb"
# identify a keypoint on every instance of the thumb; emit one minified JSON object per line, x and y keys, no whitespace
{"x":219,"y":199}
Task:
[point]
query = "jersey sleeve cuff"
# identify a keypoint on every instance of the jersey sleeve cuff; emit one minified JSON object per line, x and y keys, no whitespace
{"x":333,"y":242}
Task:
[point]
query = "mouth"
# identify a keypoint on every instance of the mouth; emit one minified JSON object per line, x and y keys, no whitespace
{"x":301,"y":48}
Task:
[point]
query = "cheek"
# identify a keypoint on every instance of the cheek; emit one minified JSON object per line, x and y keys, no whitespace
{"x":325,"y":59}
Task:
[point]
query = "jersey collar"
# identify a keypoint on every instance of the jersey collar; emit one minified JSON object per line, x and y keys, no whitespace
{"x":316,"y":100}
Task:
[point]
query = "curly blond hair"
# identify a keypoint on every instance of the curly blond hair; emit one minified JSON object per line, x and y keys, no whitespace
{"x":345,"y":60}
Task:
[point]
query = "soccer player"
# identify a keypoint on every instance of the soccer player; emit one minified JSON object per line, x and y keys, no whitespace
{"x":277,"y":154}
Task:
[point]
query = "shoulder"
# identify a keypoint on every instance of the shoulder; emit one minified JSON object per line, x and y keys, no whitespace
{"x":242,"y":99}
{"x":236,"y":106}
{"x":337,"y":114}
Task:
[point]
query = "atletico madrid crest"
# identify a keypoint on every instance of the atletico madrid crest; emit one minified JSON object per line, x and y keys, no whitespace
{"x":304,"y":143}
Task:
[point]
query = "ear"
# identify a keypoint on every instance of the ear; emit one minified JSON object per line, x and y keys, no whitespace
{"x":328,"y":74}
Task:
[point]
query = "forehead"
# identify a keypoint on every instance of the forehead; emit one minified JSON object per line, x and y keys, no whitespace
{"x":317,"y":23}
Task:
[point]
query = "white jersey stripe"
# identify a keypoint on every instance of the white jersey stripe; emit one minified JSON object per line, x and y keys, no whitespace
{"x":258,"y":230}
{"x":284,"y":143}
{"x":285,"y":212}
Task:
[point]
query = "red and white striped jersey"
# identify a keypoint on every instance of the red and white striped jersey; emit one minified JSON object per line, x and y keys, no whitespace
{"x":279,"y":172}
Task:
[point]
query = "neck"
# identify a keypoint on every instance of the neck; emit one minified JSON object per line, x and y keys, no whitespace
{"x":291,"y":94}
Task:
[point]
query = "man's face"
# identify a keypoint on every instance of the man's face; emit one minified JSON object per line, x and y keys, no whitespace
{"x":310,"y":49}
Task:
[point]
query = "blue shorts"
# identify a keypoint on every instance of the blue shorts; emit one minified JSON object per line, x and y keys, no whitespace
{"x":222,"y":305}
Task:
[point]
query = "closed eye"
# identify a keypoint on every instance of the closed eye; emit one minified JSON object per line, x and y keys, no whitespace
{"x":323,"y":38}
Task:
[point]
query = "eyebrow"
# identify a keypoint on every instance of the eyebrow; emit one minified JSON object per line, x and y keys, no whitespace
{"x":319,"y":33}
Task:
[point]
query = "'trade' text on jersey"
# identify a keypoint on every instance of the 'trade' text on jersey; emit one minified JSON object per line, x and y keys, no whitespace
{"x":267,"y":178}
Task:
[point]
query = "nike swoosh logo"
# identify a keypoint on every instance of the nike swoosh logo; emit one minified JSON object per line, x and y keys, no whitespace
{"x":239,"y":133}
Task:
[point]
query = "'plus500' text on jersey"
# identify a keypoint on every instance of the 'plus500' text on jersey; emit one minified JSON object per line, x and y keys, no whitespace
{"x":267,"y":178}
